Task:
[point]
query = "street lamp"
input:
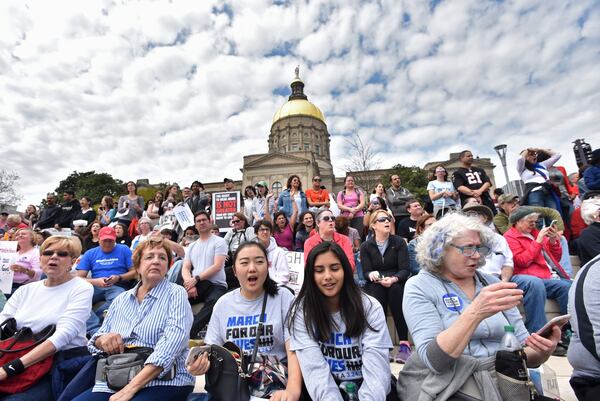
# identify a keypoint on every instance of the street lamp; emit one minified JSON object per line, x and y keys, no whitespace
{"x":501,"y":150}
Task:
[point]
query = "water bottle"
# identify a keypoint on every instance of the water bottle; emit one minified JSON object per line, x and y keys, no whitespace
{"x":509,"y":341}
{"x":350,"y":390}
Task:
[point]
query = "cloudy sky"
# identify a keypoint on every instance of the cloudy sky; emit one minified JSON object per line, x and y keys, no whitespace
{"x":179,"y":90}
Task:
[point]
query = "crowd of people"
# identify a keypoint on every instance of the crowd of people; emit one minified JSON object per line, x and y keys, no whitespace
{"x":451,"y":270}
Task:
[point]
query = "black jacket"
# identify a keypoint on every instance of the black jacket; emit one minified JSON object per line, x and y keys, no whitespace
{"x":589,"y":243}
{"x":394,"y":261}
{"x":48,"y":217}
{"x":69,"y":210}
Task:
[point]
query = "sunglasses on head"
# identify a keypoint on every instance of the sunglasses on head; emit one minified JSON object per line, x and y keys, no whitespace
{"x":383,"y":219}
{"x":327,"y":218}
{"x":62,"y":254}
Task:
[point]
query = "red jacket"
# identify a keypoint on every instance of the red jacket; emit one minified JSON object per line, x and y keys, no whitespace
{"x":339,"y":239}
{"x":577,"y":224}
{"x":528,"y":257}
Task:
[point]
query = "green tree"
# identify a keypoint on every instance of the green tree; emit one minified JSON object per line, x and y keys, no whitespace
{"x":92,"y":184}
{"x":413,"y":178}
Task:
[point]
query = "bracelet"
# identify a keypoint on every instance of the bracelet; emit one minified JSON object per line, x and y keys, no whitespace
{"x":13,"y":367}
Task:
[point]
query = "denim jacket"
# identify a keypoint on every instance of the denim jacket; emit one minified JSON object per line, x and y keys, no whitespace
{"x":284,"y":203}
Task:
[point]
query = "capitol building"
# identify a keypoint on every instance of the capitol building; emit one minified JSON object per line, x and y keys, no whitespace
{"x":299,"y":144}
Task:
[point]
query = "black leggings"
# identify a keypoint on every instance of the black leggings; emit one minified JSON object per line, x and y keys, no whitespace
{"x":586,"y":388}
{"x":391,"y":297}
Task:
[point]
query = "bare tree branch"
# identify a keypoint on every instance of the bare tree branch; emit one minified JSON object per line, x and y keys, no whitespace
{"x":8,"y":194}
{"x":363,"y":158}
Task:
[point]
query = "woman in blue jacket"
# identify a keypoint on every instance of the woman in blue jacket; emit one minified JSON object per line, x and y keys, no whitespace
{"x":293,"y":193}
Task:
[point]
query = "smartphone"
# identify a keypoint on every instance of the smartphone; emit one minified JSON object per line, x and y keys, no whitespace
{"x":558,"y":321}
{"x":195,"y":352}
{"x":553,"y":223}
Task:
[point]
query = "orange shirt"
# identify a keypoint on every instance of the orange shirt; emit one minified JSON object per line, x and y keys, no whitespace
{"x":317,"y":196}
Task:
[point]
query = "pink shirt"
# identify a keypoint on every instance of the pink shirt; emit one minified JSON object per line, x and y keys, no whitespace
{"x":285,"y":239}
{"x":30,"y":260}
{"x":351,"y":199}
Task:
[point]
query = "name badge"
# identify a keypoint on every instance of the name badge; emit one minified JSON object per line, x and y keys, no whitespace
{"x":452,"y":302}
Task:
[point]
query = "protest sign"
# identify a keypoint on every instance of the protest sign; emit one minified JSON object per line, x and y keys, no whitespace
{"x":183,"y":215}
{"x":224,"y":206}
{"x":296,"y":265}
{"x":8,"y":255}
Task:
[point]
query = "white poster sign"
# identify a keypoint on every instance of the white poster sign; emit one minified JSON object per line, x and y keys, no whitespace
{"x":8,"y":256}
{"x":184,"y":215}
{"x":296,"y":265}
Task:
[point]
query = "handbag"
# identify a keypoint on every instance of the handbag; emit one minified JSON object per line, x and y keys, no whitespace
{"x":268,"y":374}
{"x":226,"y":379}
{"x":119,"y":369}
{"x":16,"y":343}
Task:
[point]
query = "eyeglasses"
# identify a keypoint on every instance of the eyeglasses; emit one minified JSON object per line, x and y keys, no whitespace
{"x":201,"y":220}
{"x":60,"y":254}
{"x":235,"y":221}
{"x":383,"y":219}
{"x":469,"y":250}
{"x":263,"y":230}
{"x":327,"y":218}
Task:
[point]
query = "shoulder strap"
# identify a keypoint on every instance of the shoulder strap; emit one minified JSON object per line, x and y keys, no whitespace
{"x":259,"y":329}
{"x":585,"y":330}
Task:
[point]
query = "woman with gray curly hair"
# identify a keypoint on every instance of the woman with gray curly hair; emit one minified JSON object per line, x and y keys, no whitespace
{"x":456,"y":314}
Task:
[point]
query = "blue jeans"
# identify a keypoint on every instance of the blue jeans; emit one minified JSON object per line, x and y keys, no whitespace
{"x":41,"y":391}
{"x":107,"y":294}
{"x":565,"y":259}
{"x":536,"y":290}
{"x":538,"y":198}
{"x":163,"y":393}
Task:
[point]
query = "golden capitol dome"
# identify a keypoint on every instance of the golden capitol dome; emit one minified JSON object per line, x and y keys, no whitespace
{"x":298,"y":104}
{"x":298,"y":107}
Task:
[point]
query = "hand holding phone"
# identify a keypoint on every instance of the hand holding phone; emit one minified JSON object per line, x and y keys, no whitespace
{"x":558,"y":321}
{"x":195,"y":352}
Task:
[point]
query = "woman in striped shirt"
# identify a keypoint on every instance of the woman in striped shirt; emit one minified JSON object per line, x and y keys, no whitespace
{"x":156,"y":314}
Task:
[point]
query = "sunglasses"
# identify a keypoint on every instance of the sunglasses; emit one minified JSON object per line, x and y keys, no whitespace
{"x":327,"y":218}
{"x":316,"y":179}
{"x":235,"y":221}
{"x":61,"y":254}
{"x":383,"y":219}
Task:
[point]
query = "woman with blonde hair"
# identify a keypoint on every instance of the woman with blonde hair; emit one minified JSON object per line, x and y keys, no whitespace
{"x":27,"y":265}
{"x":61,"y":300}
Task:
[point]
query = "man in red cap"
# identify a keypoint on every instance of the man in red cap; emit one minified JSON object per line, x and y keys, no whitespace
{"x":111,"y":268}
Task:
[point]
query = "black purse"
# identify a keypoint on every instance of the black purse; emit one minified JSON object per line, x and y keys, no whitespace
{"x":226,"y":379}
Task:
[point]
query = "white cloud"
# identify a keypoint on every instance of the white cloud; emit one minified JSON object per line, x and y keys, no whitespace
{"x":182,"y":90}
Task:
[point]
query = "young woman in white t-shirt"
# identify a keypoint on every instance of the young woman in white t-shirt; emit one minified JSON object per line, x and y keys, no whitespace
{"x":442,"y":193}
{"x":236,"y":315}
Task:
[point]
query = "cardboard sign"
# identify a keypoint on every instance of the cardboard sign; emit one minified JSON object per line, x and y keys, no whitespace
{"x":183,"y":215}
{"x":8,"y":256}
{"x":224,"y":206}
{"x":296,"y":265}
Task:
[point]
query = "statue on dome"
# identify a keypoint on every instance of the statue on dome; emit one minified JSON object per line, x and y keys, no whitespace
{"x":297,"y":71}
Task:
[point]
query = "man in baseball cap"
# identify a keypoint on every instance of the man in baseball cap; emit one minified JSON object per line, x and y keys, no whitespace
{"x":110,"y":268}
{"x":508,"y":203}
